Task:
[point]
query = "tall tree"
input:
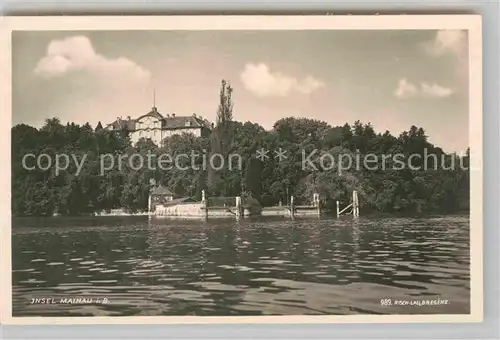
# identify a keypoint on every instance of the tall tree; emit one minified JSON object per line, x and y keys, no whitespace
{"x":221,"y":139}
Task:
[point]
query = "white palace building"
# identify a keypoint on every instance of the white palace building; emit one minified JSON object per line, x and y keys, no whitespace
{"x":157,"y":127}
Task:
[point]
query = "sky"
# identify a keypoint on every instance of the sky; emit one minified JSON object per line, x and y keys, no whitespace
{"x":390,"y":78}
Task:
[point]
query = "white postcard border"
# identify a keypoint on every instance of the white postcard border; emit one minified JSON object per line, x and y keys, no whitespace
{"x":472,"y":23}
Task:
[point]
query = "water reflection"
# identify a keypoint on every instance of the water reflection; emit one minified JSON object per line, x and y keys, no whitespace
{"x":240,"y":268}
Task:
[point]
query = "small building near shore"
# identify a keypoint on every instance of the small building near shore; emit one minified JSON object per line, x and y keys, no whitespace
{"x":161,"y":195}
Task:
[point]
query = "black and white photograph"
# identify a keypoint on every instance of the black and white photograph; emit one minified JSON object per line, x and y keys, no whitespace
{"x":218,"y":167}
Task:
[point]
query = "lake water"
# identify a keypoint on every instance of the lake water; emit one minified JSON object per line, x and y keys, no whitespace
{"x":260,"y":267}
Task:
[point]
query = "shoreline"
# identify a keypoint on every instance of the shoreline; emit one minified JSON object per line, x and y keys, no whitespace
{"x":323,"y":215}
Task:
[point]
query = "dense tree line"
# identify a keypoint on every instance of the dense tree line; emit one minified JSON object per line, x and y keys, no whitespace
{"x":37,"y":192}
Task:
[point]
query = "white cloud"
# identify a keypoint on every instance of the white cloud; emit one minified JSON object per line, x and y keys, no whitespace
{"x":260,"y":80}
{"x":435,"y":90}
{"x":447,"y":41}
{"x":77,"y":53}
{"x":99,"y":87}
{"x":452,"y":46}
{"x":406,"y":89}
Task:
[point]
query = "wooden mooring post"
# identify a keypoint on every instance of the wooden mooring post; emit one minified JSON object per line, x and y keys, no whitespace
{"x":204,"y":201}
{"x":317,"y":203}
{"x":355,"y":204}
{"x":239,"y":208}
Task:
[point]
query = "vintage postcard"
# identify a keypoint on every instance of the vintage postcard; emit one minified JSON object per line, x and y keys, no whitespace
{"x":241,"y":169}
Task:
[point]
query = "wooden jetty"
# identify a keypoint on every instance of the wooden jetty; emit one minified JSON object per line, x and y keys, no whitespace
{"x":352,"y":208}
{"x":163,"y":204}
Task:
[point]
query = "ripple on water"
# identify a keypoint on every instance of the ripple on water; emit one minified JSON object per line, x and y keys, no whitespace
{"x":87,"y":262}
{"x":277,"y":267}
{"x":71,"y":284}
{"x":127,"y":261}
{"x":32,"y":281}
{"x":374,"y":273}
{"x":98,"y":269}
{"x":312,"y":273}
{"x":103,"y":281}
{"x":23,"y":270}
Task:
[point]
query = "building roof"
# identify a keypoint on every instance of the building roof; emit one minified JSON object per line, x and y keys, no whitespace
{"x":153,"y":113}
{"x":122,"y":124}
{"x":182,"y":122}
{"x":161,"y":190}
{"x":168,"y":122}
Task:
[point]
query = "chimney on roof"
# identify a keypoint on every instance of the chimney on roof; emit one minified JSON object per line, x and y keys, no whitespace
{"x":173,"y":114}
{"x":128,"y":118}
